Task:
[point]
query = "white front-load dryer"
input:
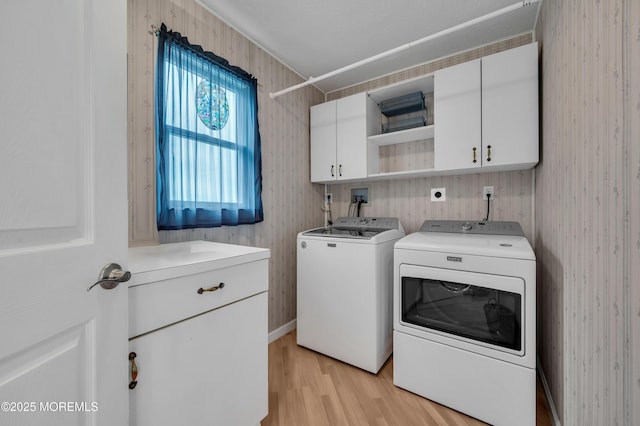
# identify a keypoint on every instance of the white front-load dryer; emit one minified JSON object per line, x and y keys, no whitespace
{"x":345,"y":290}
{"x":465,"y":319}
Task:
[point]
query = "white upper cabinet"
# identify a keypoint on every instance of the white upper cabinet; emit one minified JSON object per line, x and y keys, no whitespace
{"x":323,"y":142}
{"x":457,"y":117}
{"x":485,"y":118}
{"x":510,"y":108}
{"x":351,"y":144}
{"x":486,"y":112}
{"x":339,"y":139}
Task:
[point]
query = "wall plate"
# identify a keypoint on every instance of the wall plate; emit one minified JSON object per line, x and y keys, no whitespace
{"x":360,"y":194}
{"x":438,"y":194}
{"x":487,"y":190}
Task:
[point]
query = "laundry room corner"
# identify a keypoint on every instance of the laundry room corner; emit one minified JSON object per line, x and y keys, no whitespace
{"x":291,"y":203}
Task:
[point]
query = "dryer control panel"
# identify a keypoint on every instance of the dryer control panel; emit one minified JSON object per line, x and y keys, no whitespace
{"x":475,"y":228}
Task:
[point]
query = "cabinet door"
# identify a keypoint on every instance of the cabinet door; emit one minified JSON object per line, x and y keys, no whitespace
{"x":457,"y":118}
{"x":323,"y":142}
{"x":510,"y":107}
{"x":207,"y":370}
{"x":352,"y":136}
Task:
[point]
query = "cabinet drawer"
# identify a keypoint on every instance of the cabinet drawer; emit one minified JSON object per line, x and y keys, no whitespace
{"x":158,"y":304}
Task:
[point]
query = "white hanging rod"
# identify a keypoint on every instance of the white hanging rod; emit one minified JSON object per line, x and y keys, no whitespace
{"x":409,"y":45}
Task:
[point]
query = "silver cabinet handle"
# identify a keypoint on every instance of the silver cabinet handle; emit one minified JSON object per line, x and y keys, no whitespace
{"x":110,"y":276}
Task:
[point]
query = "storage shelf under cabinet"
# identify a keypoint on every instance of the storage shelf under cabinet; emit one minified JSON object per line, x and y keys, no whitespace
{"x":402,"y":136}
{"x":418,"y":93}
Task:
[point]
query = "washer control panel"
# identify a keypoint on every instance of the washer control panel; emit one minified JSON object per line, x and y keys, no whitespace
{"x":475,"y":228}
{"x":369,"y":223}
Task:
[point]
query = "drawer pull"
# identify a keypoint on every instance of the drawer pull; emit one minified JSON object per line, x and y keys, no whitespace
{"x":134,"y":370}
{"x":218,"y":287}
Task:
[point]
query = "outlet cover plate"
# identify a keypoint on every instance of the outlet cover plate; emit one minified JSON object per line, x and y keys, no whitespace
{"x":328,"y":198}
{"x":487,"y":190}
{"x":438,"y":194}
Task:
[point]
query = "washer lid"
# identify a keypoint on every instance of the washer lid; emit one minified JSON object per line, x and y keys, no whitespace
{"x":343,"y":233}
{"x":357,"y":227}
{"x":506,"y":246}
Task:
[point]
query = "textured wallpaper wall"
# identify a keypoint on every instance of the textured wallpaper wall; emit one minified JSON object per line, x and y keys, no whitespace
{"x":291,"y":202}
{"x":588,"y":209}
{"x":586,"y":226}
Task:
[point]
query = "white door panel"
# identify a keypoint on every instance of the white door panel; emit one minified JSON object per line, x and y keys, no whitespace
{"x":510,"y":106}
{"x":323,"y":142}
{"x":62,"y":211}
{"x":352,"y":136}
{"x":457,"y":117}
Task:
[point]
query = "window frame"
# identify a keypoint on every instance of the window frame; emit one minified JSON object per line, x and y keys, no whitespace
{"x":246,"y":153}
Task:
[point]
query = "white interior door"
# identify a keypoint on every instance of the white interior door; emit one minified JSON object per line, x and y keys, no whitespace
{"x":63,"y":214}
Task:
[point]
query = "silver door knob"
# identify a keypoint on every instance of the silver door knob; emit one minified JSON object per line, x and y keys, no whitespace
{"x":110,"y":276}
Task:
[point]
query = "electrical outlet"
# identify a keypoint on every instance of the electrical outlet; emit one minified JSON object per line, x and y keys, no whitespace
{"x":487,"y":190}
{"x":328,"y":198}
{"x":438,"y":194}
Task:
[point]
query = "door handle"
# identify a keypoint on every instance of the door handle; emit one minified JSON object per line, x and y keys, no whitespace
{"x":110,"y":276}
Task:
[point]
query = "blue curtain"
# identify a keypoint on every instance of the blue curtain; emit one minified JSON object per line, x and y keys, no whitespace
{"x":209,"y":168}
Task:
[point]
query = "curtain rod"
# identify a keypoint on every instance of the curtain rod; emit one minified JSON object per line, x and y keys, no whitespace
{"x":384,"y":54}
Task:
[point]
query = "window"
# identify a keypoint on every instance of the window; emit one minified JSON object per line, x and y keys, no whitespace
{"x":208,"y":140}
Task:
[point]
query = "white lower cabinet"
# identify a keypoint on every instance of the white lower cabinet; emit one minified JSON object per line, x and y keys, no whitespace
{"x":201,"y":356}
{"x":207,"y":370}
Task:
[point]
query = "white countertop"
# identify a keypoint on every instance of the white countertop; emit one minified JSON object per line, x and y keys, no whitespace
{"x":166,"y":261}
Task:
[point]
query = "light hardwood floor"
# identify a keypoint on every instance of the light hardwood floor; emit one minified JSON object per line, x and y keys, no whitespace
{"x":307,"y":388}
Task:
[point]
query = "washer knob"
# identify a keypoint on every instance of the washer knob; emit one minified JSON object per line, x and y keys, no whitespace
{"x":466,"y":226}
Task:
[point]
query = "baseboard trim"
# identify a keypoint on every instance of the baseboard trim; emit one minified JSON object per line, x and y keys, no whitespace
{"x":281,"y":331}
{"x":547,"y":391}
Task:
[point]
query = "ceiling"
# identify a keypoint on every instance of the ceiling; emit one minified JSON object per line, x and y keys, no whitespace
{"x":314,"y":37}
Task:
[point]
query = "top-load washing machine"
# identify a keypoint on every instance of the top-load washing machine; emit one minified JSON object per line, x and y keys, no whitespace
{"x":465,"y":319}
{"x":345,"y":289}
